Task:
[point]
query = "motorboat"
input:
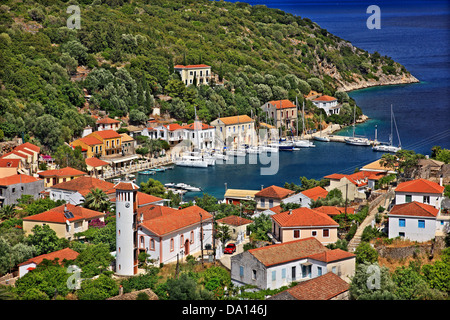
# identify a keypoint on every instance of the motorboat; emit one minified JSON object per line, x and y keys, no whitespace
{"x":322,"y":138}
{"x":236,"y":152}
{"x":357,"y":141}
{"x":303,"y":143}
{"x":189,"y":161}
{"x":286,"y":146}
{"x":187,"y":187}
{"x":147,"y":172}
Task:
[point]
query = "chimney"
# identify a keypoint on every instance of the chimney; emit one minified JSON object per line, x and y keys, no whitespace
{"x":441,"y":181}
{"x":290,"y":211}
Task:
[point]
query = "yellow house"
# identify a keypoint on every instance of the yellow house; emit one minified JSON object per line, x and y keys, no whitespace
{"x":52,"y":177}
{"x":66,"y":220}
{"x":100,"y":144}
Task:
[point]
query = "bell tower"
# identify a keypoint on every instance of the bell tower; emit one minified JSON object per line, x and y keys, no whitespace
{"x":126,"y":228}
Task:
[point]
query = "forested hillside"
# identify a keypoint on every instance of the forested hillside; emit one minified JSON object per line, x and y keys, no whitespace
{"x":128,"y":49}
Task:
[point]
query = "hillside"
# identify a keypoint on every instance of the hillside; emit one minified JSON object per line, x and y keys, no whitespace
{"x":123,"y":56}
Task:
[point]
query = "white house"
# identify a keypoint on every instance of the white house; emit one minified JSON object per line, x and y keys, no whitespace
{"x":63,"y":255}
{"x":278,"y":265}
{"x":414,"y":221}
{"x":167,"y":234}
{"x":200,"y":73}
{"x":327,"y":103}
{"x":200,"y":134}
{"x":420,"y":190}
{"x":158,"y":132}
{"x":304,"y":198}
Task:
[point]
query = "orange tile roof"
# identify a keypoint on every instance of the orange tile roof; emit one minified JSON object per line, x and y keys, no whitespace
{"x":56,"y":215}
{"x":236,"y":120}
{"x":235,"y":221}
{"x":191,"y":66}
{"x":64,"y":172}
{"x":143,"y":199}
{"x":288,"y":251}
{"x":415,"y":209}
{"x":282,"y":104}
{"x":17,"y":178}
{"x":173,"y":126}
{"x":107,"y":120}
{"x":179,"y":219}
{"x":420,"y":186}
{"x":332,"y":255}
{"x":358,"y":178}
{"x":315,"y":193}
{"x":303,"y":217}
{"x":197,"y":126}
{"x":333,"y":211}
{"x":67,"y":254}
{"x":29,"y":146}
{"x":90,"y":141}
{"x":274,"y":192}
{"x":126,"y":186}
{"x":324,"y":98}
{"x":95,"y":162}
{"x":106,"y":134}
{"x":153,"y":211}
{"x":83,"y":185}
{"x":324,"y":287}
{"x":9,"y":163}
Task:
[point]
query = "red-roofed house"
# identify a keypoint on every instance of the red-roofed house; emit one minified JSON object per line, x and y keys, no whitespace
{"x":237,"y":226}
{"x":16,"y":185}
{"x":334,"y":211}
{"x":95,"y":166}
{"x":52,"y":177}
{"x":28,"y":153}
{"x":303,"y":223}
{"x":8,"y":167}
{"x":194,"y":74}
{"x":65,"y":220}
{"x":271,"y":196}
{"x":107,"y":124}
{"x":353,"y":185}
{"x":278,"y":265}
{"x":416,"y":221}
{"x":284,"y":112}
{"x":420,"y":190}
{"x":327,"y":103}
{"x":66,"y":254}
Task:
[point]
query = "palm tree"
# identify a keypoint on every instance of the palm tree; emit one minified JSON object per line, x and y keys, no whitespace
{"x":8,"y":211}
{"x":97,"y":200}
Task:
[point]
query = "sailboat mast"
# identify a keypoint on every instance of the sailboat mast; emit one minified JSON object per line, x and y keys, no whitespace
{"x":303,"y":118}
{"x":296,"y":120}
{"x":390,"y":136}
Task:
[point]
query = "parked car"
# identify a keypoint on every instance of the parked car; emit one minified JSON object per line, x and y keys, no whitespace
{"x":230,"y":248}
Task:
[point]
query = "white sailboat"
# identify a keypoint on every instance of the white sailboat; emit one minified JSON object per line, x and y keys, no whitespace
{"x":355,"y":140}
{"x":320,"y":137}
{"x":302,"y":143}
{"x":389,"y":147}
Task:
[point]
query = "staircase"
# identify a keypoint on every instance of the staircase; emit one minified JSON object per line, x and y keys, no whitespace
{"x":354,"y":243}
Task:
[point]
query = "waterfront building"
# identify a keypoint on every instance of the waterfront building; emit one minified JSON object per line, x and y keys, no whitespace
{"x":304,"y":197}
{"x":233,"y":132}
{"x":420,"y":190}
{"x":283,"y":113}
{"x":235,"y":196}
{"x":327,"y":103}
{"x":194,"y":74}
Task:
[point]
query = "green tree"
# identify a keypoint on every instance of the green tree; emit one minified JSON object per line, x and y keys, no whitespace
{"x":44,"y":239}
{"x":65,"y":156}
{"x":99,"y":289}
{"x":94,"y":259}
{"x":186,"y":288}
{"x":97,"y":200}
{"x":372,"y":282}
{"x":260,"y":227}
{"x":365,"y":253}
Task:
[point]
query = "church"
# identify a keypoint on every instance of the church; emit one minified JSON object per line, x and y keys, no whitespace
{"x":162,"y":232}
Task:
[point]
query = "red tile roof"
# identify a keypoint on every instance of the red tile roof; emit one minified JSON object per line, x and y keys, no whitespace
{"x":107,"y":134}
{"x":197,"y":126}
{"x":173,"y":126}
{"x":67,"y":254}
{"x":90,"y":141}
{"x":233,"y":120}
{"x":414,"y":208}
{"x":315,"y":193}
{"x":153,"y":211}
{"x":126,"y":186}
{"x":274,"y":192}
{"x":177,"y":220}
{"x":282,"y":104}
{"x":95,"y":162}
{"x":56,"y":215}
{"x":107,"y":120}
{"x":29,"y":146}
{"x":143,"y":199}
{"x":64,"y":172}
{"x":420,"y":186}
{"x":234,"y":221}
{"x":303,"y":217}
{"x":17,"y":178}
{"x":324,"y":287}
{"x":83,"y":185}
{"x":324,"y":98}
{"x":288,"y":251}
{"x":358,"y":178}
{"x":332,"y":255}
{"x":191,"y":66}
{"x":9,"y":163}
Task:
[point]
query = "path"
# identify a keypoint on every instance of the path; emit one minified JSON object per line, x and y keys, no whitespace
{"x":382,"y":200}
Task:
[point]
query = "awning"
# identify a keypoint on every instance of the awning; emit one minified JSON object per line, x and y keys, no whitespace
{"x":122,"y":159}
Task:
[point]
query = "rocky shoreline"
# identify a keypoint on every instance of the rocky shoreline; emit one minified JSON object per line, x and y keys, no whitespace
{"x":385,"y":80}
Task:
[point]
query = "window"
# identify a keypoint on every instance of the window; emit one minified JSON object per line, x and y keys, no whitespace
{"x":254,"y":274}
{"x":283,"y":273}
{"x":297,"y":233}
{"x":270,"y":203}
{"x":152,"y":244}
{"x":293,"y":273}
{"x":333,"y":269}
{"x":142,"y":242}
{"x":401,"y":234}
{"x":313,"y":233}
{"x":408,"y":198}
{"x":192,"y":237}
{"x":401,"y":222}
{"x":171,"y":244}
{"x":319,"y":271}
{"x":241,"y":271}
{"x":181,"y":241}
{"x":421,"y":224}
{"x":426,"y":199}
{"x":306,"y":271}
{"x":274,"y":275}
{"x":263,"y":202}
{"x":326,"y":233}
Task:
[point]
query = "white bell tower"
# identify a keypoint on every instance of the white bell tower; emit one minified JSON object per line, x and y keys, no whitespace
{"x":126,"y":228}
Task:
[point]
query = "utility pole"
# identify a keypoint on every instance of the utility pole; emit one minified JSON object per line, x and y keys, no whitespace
{"x":201,"y":235}
{"x":214,"y":238}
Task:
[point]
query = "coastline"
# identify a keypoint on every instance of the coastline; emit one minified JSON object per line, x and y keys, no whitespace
{"x":410,"y":79}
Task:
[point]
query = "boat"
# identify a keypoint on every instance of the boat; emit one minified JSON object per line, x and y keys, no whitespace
{"x":270,"y":148}
{"x":254,"y":150}
{"x":301,"y":142}
{"x":389,"y":147}
{"x":356,"y":140}
{"x":194,"y":162}
{"x":187,"y":187}
{"x":169,"y":185}
{"x":147,"y":172}
{"x":320,"y":137}
{"x":236,"y":152}
{"x":286,"y":146}
{"x":158,"y":169}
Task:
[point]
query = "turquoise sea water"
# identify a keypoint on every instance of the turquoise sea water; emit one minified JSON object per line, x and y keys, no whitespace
{"x":414,"y":33}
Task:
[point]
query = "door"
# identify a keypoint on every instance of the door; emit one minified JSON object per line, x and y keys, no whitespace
{"x":186,"y":247}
